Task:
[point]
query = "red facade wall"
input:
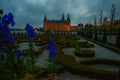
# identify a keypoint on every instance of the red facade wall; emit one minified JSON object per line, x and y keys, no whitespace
{"x":56,"y":26}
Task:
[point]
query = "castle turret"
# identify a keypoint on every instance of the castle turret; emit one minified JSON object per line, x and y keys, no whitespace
{"x":45,"y":17}
{"x":45,"y":23}
{"x":63,"y":17}
{"x":68,"y":18}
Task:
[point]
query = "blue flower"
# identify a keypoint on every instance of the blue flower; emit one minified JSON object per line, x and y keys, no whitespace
{"x":10,"y":38}
{"x":8,"y":19}
{"x":5,"y":34}
{"x":0,"y":44}
{"x":19,"y":54}
{"x":4,"y":30}
{"x":52,"y":49}
{"x":5,"y":19}
{"x":30,"y":31}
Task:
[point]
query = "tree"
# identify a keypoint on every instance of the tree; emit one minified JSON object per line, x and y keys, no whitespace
{"x":118,"y":39}
{"x":105,"y":21}
{"x":101,"y":17}
{"x":96,"y":35}
{"x":95,"y":21}
{"x":104,"y":38}
{"x":90,"y":33}
{"x":1,"y":12}
{"x":112,"y":16}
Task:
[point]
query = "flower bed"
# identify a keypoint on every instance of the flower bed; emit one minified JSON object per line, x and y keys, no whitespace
{"x":75,"y":67}
{"x":59,"y":49}
{"x":84,"y":53}
{"x":85,"y":44}
{"x":40,"y":50}
{"x":41,"y":43}
{"x":101,"y":61}
{"x":110,"y":47}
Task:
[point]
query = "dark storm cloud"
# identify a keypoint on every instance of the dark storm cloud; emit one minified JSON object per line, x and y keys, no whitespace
{"x":32,"y":11}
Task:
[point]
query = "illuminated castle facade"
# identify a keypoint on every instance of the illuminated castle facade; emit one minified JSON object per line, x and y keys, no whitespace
{"x":57,"y":25}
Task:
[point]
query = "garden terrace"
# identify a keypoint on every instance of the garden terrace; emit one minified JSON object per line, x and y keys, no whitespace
{"x":75,"y":67}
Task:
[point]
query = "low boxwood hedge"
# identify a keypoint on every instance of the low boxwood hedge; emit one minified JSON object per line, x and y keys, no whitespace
{"x":112,"y":48}
{"x":25,"y":52}
{"x":84,"y":53}
{"x":40,"y":50}
{"x":86,"y":44}
{"x":59,"y":49}
{"x":101,"y":61}
{"x":41,"y":43}
{"x":75,"y":67}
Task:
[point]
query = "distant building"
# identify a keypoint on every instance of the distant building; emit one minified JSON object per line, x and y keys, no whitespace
{"x":57,"y":25}
{"x":80,"y":26}
{"x":74,"y":28}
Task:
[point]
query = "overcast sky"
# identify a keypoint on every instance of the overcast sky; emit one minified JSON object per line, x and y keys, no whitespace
{"x":80,"y":11}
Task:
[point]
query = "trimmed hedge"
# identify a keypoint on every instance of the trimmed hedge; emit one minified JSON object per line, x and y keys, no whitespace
{"x":101,"y":61}
{"x":40,"y":50}
{"x":59,"y":49}
{"x":84,"y":53}
{"x":112,"y":48}
{"x":71,"y":65}
{"x":26,"y":51}
{"x":86,"y":44}
{"x":41,"y":43}
{"x":66,"y":43}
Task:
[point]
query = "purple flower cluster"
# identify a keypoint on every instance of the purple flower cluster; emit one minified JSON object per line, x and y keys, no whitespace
{"x":8,"y":19}
{"x":30,"y":31}
{"x":19,"y":54}
{"x":52,"y":48}
{"x":4,"y":30}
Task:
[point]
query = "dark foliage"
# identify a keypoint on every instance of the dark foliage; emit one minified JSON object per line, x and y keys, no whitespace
{"x":104,"y":38}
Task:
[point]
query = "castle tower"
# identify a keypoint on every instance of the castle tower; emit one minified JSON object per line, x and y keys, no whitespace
{"x":68,"y":18}
{"x":68,"y":23}
{"x":45,"y":17}
{"x":45,"y":23}
{"x":63,"y":17}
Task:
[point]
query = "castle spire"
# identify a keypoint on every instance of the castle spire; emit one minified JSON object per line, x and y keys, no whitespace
{"x":68,"y":18}
{"x":63,"y":17}
{"x":45,"y":17}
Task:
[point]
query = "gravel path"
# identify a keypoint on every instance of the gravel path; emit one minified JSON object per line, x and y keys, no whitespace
{"x":24,"y":45}
{"x":42,"y":59}
{"x":69,"y":76}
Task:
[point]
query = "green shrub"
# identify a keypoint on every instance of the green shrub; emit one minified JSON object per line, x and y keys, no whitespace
{"x":75,"y":67}
{"x":84,"y":53}
{"x":57,"y":68}
{"x":85,"y":44}
{"x":112,"y":48}
{"x":40,"y":50}
{"x":77,"y":50}
{"x":26,"y":52}
{"x":101,"y":61}
{"x":59,"y":49}
{"x":41,"y":43}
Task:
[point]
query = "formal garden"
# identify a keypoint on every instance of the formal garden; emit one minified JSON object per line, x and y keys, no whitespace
{"x":33,"y":56}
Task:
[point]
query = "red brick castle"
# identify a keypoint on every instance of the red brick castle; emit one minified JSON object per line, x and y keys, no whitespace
{"x":57,"y":25}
